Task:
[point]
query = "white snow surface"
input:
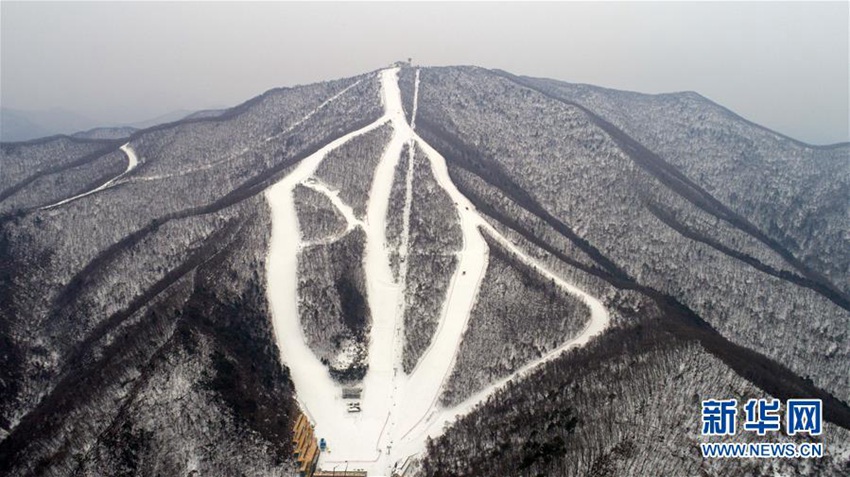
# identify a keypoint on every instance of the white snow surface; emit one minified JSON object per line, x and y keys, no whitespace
{"x":132,"y":162}
{"x":351,"y":220}
{"x":398,"y":411}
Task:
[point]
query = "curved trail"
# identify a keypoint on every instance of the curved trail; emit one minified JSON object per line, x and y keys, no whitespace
{"x":132,"y":163}
{"x":246,"y":150}
{"x":282,"y":274}
{"x":351,"y":221}
{"x":432,"y":422}
{"x":398,"y":411}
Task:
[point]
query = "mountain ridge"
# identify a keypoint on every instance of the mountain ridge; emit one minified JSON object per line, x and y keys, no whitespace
{"x":692,"y":93}
{"x":561,"y":186}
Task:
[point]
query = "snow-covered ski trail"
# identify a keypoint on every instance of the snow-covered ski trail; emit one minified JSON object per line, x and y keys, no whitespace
{"x":415,"y":102}
{"x":384,"y":294}
{"x":246,"y":150}
{"x":313,"y":112}
{"x":398,"y":411}
{"x":404,"y":246}
{"x":132,"y":163}
{"x":433,"y":421}
{"x":351,"y":220}
{"x":318,"y":395}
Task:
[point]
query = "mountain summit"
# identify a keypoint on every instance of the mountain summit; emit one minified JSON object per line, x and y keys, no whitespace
{"x":447,"y":271}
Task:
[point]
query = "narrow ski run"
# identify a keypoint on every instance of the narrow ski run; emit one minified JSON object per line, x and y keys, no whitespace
{"x":132,"y":163}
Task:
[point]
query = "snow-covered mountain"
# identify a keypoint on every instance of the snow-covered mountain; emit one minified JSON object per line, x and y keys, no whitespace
{"x":516,"y":276}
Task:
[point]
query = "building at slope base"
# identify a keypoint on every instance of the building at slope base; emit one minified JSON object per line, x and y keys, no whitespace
{"x":305,"y":448}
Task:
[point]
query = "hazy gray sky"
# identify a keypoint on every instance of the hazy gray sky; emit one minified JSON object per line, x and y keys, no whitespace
{"x":783,"y":65}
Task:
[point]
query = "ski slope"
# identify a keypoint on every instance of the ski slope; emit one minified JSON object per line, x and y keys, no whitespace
{"x":132,"y":163}
{"x":398,"y":411}
{"x":244,"y":151}
{"x":351,"y":220}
